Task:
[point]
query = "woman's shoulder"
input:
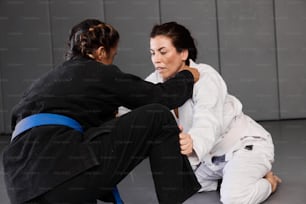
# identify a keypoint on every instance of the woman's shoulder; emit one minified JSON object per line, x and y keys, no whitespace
{"x":207,"y":72}
{"x":204,"y":68}
{"x":210,"y":79}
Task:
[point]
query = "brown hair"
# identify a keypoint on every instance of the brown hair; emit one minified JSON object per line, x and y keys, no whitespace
{"x":89,"y":35}
{"x":180,"y":36}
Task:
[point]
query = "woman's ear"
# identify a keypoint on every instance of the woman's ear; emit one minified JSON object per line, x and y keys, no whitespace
{"x":101,"y":53}
{"x":185,"y":54}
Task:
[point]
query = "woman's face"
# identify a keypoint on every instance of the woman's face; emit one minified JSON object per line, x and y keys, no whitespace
{"x":165,"y":58}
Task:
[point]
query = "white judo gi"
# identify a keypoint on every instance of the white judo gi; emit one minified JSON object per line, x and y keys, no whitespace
{"x":220,"y":129}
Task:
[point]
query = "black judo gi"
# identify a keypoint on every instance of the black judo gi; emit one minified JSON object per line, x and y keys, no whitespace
{"x":89,"y":92}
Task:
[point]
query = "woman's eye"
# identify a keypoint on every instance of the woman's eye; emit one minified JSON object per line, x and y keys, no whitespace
{"x":163,"y":52}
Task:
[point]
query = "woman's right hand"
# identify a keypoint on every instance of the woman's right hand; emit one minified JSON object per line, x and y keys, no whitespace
{"x":194,"y":72}
{"x":186,"y":142}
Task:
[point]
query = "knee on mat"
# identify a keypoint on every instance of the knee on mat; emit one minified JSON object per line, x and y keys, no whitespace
{"x":232,"y":196}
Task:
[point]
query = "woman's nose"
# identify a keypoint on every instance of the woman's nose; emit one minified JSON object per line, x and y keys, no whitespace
{"x":156,"y":58}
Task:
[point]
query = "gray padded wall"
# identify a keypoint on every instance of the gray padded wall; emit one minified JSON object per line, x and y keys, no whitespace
{"x":25,"y":49}
{"x":200,"y":18}
{"x":1,"y":98}
{"x":2,"y":80}
{"x":247,"y":53}
{"x":65,"y":14}
{"x":262,"y":62}
{"x":291,"y":42}
{"x":134,"y":20}
{"x":3,"y":20}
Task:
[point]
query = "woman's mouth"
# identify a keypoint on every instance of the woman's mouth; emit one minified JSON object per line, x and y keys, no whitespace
{"x":160,"y":69}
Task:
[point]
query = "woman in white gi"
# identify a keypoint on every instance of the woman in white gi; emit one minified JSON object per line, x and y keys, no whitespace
{"x":220,"y":141}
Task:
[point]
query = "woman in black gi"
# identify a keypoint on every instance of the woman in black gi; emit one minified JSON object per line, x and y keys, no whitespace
{"x":68,"y":146}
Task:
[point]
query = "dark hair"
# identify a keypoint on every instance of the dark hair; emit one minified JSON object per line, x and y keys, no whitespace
{"x":89,"y":35}
{"x":180,"y":36}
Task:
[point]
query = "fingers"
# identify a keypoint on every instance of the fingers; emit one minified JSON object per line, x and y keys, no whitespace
{"x":186,"y":149}
{"x":186,"y":144}
{"x":194,"y":72}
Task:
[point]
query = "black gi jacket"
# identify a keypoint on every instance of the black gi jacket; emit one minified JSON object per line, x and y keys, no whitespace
{"x":90,"y":93}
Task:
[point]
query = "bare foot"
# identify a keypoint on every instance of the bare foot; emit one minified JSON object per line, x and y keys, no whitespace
{"x":273,"y":180}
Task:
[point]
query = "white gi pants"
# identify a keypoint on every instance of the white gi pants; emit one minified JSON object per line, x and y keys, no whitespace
{"x":242,"y":174}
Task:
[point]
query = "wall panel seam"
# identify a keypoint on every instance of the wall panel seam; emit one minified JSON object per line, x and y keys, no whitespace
{"x":104,"y":11}
{"x":50,"y":30}
{"x":159,"y":11}
{"x":218,"y":37}
{"x":276,"y":60}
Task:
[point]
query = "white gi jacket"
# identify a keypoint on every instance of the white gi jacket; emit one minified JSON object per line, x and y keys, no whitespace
{"x":218,"y":127}
{"x":212,"y":117}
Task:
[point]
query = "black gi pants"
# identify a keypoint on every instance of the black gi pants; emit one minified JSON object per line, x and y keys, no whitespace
{"x":149,"y":131}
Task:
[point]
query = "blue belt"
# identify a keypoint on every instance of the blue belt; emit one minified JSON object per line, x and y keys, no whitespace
{"x":41,"y":119}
